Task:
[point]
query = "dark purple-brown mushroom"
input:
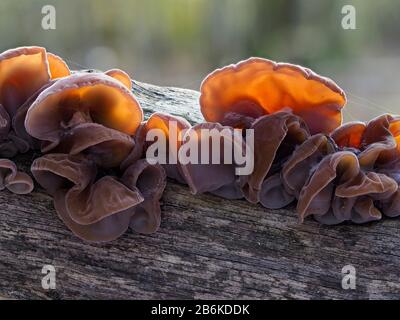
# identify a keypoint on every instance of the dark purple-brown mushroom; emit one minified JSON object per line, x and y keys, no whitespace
{"x":283,"y":187}
{"x":177,"y":133}
{"x":13,"y":180}
{"x":99,"y":208}
{"x":276,"y":136}
{"x":338,"y":190}
{"x":151,"y":182}
{"x":302,"y":163}
{"x":377,"y":145}
{"x":213,"y":168}
{"x":353,"y":175}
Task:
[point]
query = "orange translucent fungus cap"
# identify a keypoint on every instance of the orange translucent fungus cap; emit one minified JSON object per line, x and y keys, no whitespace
{"x":161,"y":121}
{"x":395,"y":130}
{"x":121,"y":76}
{"x":359,"y":135}
{"x":58,"y":67}
{"x":257,"y":86}
{"x":349,"y":135}
{"x":96,"y":96}
{"x":23,"y":71}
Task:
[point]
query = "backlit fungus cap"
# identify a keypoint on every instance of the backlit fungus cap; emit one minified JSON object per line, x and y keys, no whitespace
{"x":86,"y":111}
{"x":24,"y":72}
{"x":162,"y":123}
{"x":121,"y":76}
{"x":101,"y":208}
{"x":377,"y":143}
{"x":276,"y":136}
{"x":236,"y":94}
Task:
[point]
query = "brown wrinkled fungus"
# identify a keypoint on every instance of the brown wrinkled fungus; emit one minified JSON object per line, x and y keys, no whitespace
{"x":101,"y":209}
{"x":275,"y":138}
{"x":196,"y":175}
{"x":224,"y":181}
{"x":12,"y":179}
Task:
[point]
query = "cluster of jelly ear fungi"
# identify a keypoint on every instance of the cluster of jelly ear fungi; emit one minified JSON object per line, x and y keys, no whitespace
{"x":82,"y":124}
{"x":302,"y":151}
{"x":89,"y":131}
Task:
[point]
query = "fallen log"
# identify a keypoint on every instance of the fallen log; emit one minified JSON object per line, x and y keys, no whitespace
{"x":207,"y":247}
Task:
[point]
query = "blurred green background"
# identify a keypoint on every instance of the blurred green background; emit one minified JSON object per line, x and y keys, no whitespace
{"x":177,"y":42}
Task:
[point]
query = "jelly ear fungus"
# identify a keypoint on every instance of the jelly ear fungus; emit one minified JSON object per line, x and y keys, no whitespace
{"x":302,"y":152}
{"x":237,"y":94}
{"x":93,"y":140}
{"x":24,"y":73}
{"x":87,"y":124}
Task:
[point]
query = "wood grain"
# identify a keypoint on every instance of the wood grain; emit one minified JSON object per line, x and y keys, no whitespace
{"x":207,"y":247}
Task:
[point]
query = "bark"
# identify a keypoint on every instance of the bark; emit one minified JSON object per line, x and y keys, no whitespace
{"x":207,"y":247}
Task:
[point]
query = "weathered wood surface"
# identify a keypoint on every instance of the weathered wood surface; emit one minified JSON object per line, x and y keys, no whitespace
{"x":207,"y":247}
